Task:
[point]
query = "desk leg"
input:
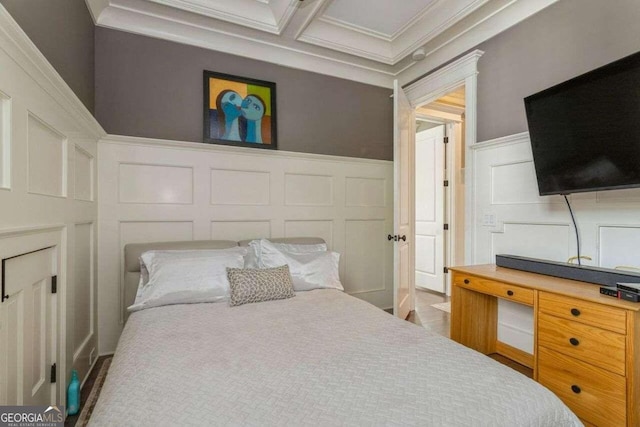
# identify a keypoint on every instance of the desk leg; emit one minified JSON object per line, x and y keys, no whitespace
{"x":474,"y":319}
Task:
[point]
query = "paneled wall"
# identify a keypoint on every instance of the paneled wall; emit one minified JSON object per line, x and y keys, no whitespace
{"x":511,"y":218}
{"x":48,"y":192}
{"x":156,"y":190}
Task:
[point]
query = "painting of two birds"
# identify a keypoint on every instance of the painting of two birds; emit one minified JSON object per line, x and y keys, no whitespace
{"x":239,"y":111}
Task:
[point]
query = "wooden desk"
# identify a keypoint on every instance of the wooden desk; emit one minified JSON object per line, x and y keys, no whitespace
{"x":586,"y":345}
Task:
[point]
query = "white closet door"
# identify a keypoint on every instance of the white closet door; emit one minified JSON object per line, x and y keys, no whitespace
{"x":29,"y":329}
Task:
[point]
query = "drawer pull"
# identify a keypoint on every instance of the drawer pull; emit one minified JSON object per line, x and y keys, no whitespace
{"x":574,"y":341}
{"x":576,"y":389}
{"x":575,"y":312}
{"x":510,"y":293}
{"x":466,"y":281}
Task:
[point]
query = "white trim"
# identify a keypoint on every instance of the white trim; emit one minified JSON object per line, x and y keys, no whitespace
{"x":183,"y":145}
{"x":516,"y":138}
{"x":18,"y":46}
{"x":458,"y":73}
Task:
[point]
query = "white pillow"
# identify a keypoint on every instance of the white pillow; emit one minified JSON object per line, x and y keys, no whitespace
{"x":185,"y":277}
{"x":309,"y":270}
{"x":252,"y":260}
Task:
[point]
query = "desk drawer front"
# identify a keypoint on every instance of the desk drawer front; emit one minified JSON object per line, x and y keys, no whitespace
{"x":593,"y":345}
{"x":602,"y":316}
{"x":498,"y":289}
{"x":595,"y":395}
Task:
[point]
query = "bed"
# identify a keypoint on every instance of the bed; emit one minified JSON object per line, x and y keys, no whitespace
{"x":320,"y":358}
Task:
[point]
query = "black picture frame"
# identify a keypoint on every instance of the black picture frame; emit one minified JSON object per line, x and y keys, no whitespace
{"x":244,"y":114}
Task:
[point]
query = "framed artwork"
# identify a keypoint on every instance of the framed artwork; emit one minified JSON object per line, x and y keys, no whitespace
{"x":239,"y":111}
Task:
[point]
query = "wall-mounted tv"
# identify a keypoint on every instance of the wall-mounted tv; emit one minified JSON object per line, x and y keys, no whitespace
{"x":585,"y":132}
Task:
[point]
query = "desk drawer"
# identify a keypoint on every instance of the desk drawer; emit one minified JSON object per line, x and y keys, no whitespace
{"x":599,"y":347}
{"x":602,"y":316}
{"x":498,"y":289}
{"x":595,"y":395}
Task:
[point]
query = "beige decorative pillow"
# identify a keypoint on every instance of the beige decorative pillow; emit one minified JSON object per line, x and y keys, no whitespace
{"x":250,"y":285}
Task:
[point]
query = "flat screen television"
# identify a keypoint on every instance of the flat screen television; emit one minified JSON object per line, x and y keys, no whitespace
{"x":585,"y":132}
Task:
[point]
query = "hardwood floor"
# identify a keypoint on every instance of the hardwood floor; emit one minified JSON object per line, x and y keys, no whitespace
{"x":430,"y":317}
{"x":438,"y":321}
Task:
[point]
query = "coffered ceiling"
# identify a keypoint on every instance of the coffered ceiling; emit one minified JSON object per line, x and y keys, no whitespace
{"x":365,"y":40}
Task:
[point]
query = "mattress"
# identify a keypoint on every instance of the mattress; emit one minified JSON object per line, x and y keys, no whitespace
{"x":320,"y":358}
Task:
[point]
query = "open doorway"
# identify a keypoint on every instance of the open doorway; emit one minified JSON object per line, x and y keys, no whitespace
{"x":439,"y":190}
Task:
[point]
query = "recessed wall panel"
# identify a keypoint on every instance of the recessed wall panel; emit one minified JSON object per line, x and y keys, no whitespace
{"x":155,"y":231}
{"x":82,"y":287}
{"x":312,"y":228}
{"x":240,"y":230}
{"x":619,"y":247}
{"x":83,"y":175}
{"x":366,"y":192}
{"x":239,"y":187}
{"x":515,"y":183}
{"x":619,"y":196}
{"x":157,"y":184}
{"x":308,"y":190}
{"x":365,"y":256}
{"x":545,"y":241}
{"x":47,"y":160}
{"x":5,"y":141}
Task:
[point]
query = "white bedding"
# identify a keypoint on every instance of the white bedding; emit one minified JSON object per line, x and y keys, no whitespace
{"x":321,"y":358}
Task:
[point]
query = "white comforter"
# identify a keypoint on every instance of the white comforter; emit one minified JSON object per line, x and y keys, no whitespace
{"x":321,"y":358}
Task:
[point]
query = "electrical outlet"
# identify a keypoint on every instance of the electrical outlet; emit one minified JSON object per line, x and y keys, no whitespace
{"x":489,"y":220}
{"x":93,"y":350}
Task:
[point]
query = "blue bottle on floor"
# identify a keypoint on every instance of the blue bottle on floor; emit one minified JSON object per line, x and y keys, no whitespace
{"x":73,"y":394}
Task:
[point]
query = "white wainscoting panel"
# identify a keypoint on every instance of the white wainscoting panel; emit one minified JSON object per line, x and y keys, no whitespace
{"x":83,"y":291}
{"x":48,"y":143}
{"x":366,"y":192}
{"x":310,"y":228}
{"x":244,"y":193}
{"x":505,"y":188}
{"x":513,"y":183}
{"x":47,"y":159}
{"x":240,"y":230}
{"x":240,"y":187}
{"x":366,"y":258}
{"x":83,"y":182}
{"x":5,"y":140}
{"x":155,"y":184}
{"x":308,"y":190}
{"x":619,"y":247}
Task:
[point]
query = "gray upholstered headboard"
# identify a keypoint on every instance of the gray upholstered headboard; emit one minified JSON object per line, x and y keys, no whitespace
{"x":133,"y":251}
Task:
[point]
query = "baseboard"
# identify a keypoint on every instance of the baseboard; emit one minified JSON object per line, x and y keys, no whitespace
{"x":515,"y":354}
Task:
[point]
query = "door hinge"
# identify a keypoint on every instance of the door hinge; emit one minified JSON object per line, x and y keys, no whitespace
{"x":53,"y":373}
{"x":446,"y":270}
{"x":446,"y":139}
{"x":54,"y":284}
{"x":446,"y":226}
{"x":446,"y":182}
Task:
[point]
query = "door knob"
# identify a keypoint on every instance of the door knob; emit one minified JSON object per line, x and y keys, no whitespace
{"x":403,"y":238}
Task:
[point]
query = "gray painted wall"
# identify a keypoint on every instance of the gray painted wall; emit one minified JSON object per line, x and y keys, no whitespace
{"x":562,"y":41}
{"x":63,"y":31}
{"x":153,"y":88}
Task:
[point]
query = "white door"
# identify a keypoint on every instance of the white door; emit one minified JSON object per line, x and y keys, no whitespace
{"x":403,"y":152}
{"x":430,"y":209}
{"x":30,"y":329}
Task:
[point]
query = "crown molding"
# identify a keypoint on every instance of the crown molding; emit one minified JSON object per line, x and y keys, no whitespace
{"x":293,"y":55}
{"x":316,"y":44}
{"x":21,"y":49}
